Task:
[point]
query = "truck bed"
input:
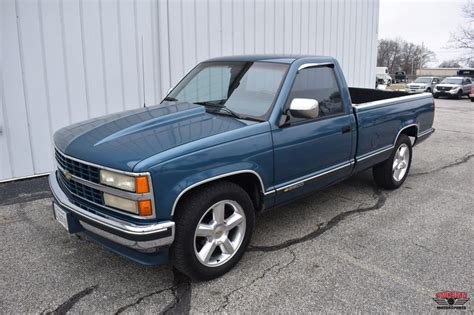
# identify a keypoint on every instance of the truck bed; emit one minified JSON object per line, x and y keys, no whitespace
{"x":361,"y":95}
{"x":381,"y":115}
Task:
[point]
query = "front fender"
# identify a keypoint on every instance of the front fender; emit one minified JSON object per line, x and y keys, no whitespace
{"x":171,"y":179}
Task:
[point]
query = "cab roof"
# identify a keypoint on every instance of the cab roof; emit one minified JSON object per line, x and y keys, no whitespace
{"x":288,"y":59}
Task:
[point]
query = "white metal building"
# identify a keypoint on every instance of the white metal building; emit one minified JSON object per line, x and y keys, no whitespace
{"x":67,"y":61}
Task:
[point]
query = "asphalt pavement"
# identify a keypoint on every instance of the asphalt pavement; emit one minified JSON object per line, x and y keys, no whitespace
{"x":349,"y":248}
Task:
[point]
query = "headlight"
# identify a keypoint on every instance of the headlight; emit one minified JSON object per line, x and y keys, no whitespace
{"x":138,"y":184}
{"x":140,"y":207}
{"x":121,"y":203}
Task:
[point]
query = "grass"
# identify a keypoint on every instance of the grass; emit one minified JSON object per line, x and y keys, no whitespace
{"x":395,"y":87}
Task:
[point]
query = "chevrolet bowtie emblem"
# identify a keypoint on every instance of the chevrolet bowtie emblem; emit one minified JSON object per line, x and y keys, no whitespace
{"x":67,"y":174}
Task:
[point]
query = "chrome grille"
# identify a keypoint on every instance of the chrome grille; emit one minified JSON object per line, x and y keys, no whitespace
{"x":84,"y":171}
{"x":81,"y":190}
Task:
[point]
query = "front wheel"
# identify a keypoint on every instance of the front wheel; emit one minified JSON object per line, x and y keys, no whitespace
{"x":214,"y":225}
{"x":392,"y":173}
{"x":459,"y":95}
{"x":472,"y":99}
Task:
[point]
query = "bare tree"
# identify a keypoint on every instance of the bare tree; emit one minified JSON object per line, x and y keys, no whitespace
{"x":400,"y":55}
{"x":463,"y":38}
{"x":453,"y":63}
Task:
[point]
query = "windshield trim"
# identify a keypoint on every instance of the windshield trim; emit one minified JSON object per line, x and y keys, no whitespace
{"x":267,"y":114}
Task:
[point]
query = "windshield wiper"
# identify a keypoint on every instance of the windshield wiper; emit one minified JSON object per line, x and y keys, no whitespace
{"x":170,"y":99}
{"x":217,"y":107}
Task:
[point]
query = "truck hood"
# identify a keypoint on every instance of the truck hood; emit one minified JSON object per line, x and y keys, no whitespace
{"x":122,"y":140}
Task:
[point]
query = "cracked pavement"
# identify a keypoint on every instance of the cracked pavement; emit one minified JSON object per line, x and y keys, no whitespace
{"x":348,"y":248}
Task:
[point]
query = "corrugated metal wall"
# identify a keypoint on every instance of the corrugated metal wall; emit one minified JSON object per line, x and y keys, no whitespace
{"x":66,"y":61}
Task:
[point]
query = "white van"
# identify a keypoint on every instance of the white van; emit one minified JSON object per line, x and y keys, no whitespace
{"x":382,"y":76}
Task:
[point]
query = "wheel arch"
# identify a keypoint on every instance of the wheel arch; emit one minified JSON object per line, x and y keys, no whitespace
{"x":249,"y":180}
{"x":410,"y":130}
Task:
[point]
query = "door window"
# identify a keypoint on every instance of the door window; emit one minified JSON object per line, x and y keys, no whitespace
{"x":318,"y":83}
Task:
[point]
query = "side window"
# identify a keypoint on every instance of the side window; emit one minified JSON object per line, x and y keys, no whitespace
{"x":468,"y":81}
{"x":318,"y":83}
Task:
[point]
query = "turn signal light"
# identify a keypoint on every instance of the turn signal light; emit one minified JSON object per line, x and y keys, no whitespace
{"x":144,"y":207}
{"x":141,"y":185}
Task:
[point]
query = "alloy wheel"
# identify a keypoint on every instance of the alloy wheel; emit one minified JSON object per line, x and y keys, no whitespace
{"x":219,"y":233}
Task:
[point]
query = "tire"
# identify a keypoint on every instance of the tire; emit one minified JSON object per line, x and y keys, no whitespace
{"x":459,"y":95}
{"x":472,"y":99}
{"x":428,"y":90}
{"x":198,"y":208}
{"x":384,"y":173}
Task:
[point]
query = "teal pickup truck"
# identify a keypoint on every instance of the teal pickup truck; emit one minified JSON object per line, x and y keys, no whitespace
{"x":182,"y":181}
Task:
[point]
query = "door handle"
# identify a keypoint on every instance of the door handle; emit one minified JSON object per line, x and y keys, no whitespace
{"x":346,"y":129}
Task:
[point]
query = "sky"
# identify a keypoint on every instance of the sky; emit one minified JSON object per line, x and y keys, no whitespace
{"x":422,"y":21}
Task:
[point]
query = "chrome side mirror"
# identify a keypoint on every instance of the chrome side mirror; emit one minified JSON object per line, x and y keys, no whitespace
{"x":304,"y":108}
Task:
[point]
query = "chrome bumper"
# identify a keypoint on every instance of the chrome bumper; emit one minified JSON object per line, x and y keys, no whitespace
{"x":139,"y":237}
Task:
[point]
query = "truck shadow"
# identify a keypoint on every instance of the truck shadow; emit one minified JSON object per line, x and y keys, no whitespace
{"x":315,"y":214}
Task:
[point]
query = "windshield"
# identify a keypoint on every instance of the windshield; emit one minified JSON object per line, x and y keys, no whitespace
{"x":452,"y":81}
{"x":423,"y":80}
{"x":246,"y":88}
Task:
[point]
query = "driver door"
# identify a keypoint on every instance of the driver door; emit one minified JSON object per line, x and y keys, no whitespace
{"x":310,"y":153}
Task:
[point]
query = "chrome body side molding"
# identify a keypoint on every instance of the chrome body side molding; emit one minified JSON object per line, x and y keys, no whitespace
{"x":373,"y":153}
{"x":300,"y":182}
{"x":390,"y":147}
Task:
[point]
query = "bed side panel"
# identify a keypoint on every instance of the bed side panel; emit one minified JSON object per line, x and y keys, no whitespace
{"x":379,"y":125}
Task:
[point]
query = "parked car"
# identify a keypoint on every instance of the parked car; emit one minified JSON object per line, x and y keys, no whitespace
{"x":184,"y":180}
{"x":466,"y":73}
{"x":453,"y":87}
{"x":400,"y":77}
{"x":382,"y":76}
{"x":422,"y":84}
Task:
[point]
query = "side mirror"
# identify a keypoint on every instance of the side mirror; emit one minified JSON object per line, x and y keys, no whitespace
{"x":304,"y":108}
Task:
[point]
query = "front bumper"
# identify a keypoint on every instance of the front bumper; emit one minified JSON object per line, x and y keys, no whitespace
{"x":144,"y":238}
{"x":446,"y":93}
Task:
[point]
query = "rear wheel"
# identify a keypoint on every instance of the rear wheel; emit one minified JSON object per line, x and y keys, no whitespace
{"x":392,"y":173}
{"x":214,"y":225}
